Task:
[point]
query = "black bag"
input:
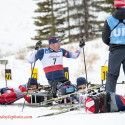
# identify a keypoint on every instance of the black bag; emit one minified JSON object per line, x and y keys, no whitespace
{"x":98,"y":103}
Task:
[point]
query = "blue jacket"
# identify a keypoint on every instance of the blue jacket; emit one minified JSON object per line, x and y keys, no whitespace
{"x":117,"y":30}
{"x":113,"y":32}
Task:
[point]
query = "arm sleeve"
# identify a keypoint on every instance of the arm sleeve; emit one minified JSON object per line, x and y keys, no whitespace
{"x":24,"y":89}
{"x":68,"y":54}
{"x":106,"y":34}
{"x":31,"y":57}
{"x":34,"y":56}
{"x":39,"y":54}
{"x":27,"y":98}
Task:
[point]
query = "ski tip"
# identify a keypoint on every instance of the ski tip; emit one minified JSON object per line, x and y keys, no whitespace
{"x":45,"y":115}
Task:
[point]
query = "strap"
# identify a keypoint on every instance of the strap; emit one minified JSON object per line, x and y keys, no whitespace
{"x":107,"y":102}
{"x":96,"y":104}
{"x":120,"y":21}
{"x":101,"y":104}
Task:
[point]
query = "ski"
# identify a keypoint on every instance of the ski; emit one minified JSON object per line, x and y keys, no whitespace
{"x":60,"y":112}
{"x":91,"y":89}
{"x":49,"y":101}
{"x":64,"y":108}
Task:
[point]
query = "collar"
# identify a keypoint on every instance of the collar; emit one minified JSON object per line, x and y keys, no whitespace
{"x":53,"y":50}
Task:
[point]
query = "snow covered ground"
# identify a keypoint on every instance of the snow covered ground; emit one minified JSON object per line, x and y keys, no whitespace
{"x":74,"y":117}
{"x":21,"y":72}
{"x":16,"y":30}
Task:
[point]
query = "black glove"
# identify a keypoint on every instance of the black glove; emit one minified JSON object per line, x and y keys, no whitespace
{"x":81,"y":43}
{"x":38,"y":45}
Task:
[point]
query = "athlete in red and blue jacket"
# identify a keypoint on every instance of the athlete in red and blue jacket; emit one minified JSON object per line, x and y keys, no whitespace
{"x":52,"y":61}
{"x":10,"y":95}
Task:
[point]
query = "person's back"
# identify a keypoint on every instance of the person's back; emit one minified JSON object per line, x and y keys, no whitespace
{"x":114,"y":36}
{"x":114,"y":28}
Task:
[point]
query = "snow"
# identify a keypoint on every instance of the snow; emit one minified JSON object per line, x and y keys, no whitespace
{"x":16,"y":24}
{"x":74,"y":117}
{"x":16,"y":30}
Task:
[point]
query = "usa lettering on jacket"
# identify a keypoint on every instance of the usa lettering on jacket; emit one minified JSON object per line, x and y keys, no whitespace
{"x":117,"y":31}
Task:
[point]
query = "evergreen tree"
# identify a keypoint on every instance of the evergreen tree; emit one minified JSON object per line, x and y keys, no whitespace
{"x":49,"y":19}
{"x":104,"y":5}
{"x":69,"y":19}
{"x":85,"y":22}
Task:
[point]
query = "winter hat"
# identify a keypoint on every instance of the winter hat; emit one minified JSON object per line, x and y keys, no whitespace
{"x":53,"y":40}
{"x":119,"y":3}
{"x":32,"y":81}
{"x":81,"y":81}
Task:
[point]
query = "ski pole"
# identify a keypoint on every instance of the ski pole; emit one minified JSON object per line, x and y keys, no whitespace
{"x":37,"y":47}
{"x":28,"y":83}
{"x":5,"y":73}
{"x":82,"y":44}
{"x":85,"y":64}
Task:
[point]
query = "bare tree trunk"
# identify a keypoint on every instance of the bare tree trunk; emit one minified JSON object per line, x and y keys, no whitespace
{"x":68,"y":21}
{"x":79,"y":21}
{"x":86,"y":18}
{"x":52,"y":19}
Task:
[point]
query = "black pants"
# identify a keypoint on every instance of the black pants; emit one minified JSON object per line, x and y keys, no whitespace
{"x":54,"y":84}
{"x":116,"y":58}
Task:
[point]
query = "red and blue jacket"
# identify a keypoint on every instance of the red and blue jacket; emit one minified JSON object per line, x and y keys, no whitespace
{"x":52,"y":61}
{"x":10,"y":95}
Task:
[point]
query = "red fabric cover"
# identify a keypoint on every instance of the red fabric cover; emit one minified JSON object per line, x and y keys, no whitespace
{"x":89,"y":105}
{"x":8,"y":97}
{"x":119,"y":3}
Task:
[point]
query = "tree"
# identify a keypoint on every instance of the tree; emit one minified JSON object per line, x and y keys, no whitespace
{"x":49,"y":19}
{"x":70,"y":19}
{"x":104,"y":5}
{"x":86,"y":22}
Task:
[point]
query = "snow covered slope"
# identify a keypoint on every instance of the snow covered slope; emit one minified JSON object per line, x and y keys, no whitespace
{"x":16,"y":30}
{"x":16,"y":25}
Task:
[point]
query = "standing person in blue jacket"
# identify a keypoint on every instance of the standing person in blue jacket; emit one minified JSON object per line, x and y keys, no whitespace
{"x":52,"y":61}
{"x":114,"y":36}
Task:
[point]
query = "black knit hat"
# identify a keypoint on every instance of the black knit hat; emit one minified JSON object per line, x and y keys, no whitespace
{"x":53,"y":40}
{"x":81,"y":81}
{"x":32,"y":81}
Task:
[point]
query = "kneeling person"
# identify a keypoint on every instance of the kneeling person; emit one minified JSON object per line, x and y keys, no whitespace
{"x":34,"y":95}
{"x":10,"y":95}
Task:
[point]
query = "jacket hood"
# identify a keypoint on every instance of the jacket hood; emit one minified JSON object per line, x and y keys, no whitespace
{"x":119,"y":13}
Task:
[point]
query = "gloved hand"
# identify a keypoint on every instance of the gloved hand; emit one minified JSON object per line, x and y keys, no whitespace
{"x":38,"y":45}
{"x":81,"y":43}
